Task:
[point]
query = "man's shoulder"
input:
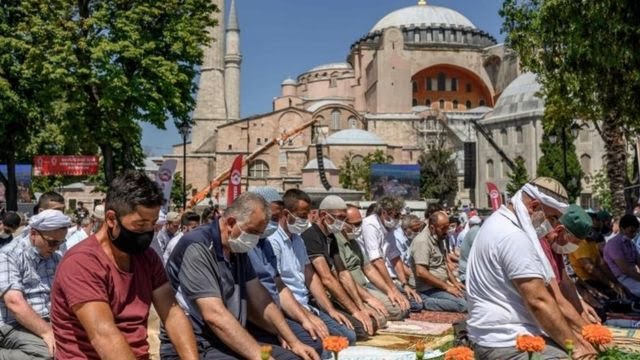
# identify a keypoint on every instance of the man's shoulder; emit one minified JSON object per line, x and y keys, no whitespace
{"x":371,"y":220}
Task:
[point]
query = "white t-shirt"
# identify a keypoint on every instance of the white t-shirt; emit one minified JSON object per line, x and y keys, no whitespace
{"x":378,"y":242}
{"x":501,"y":253}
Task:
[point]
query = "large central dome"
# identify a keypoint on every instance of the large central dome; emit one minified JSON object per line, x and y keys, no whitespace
{"x":422,"y":14}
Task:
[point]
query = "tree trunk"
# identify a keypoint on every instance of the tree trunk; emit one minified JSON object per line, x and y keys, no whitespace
{"x":616,"y":161}
{"x":11,"y":187}
{"x":107,"y":155}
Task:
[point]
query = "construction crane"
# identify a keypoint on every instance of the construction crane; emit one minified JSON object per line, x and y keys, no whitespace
{"x":215,"y":183}
{"x":494,"y":145}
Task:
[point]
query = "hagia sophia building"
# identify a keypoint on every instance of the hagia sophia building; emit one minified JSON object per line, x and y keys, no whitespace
{"x":421,"y":77}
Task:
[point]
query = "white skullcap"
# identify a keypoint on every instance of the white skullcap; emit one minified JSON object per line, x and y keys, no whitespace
{"x":49,"y":220}
{"x":98,"y":212}
{"x":475,"y":220}
{"x":547,"y":200}
{"x":332,"y":202}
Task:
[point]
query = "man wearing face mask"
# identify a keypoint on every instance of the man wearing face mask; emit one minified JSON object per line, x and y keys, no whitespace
{"x":296,"y":270}
{"x":440,"y":290}
{"x":306,"y":326}
{"x":25,"y":285}
{"x":620,"y":255}
{"x":379,"y":244}
{"x":363,"y":273}
{"x":221,"y":293}
{"x":322,"y":248}
{"x":10,"y":222}
{"x":106,"y":284}
{"x":410,"y":226}
{"x":507,"y":278}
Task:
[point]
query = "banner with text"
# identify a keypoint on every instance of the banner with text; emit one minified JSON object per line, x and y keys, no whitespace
{"x":494,"y":196}
{"x":235,"y":180}
{"x":69,"y":165}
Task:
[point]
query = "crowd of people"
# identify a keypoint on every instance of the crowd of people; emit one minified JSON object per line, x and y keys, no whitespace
{"x":283,"y":270}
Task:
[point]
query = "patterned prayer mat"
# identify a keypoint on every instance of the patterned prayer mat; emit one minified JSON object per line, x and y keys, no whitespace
{"x":439,"y":317}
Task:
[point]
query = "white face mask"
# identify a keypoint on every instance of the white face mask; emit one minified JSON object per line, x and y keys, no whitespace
{"x":244,"y":242}
{"x":567,"y":248}
{"x":299,"y":226}
{"x":357,"y":231}
{"x":272,"y":227}
{"x":543,"y":229}
{"x":336,"y":226}
{"x":390,"y":224}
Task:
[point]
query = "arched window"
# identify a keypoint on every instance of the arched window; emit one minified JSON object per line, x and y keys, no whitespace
{"x":353,"y":123}
{"x":519,"y":135}
{"x":468,"y":104}
{"x":414,"y":86}
{"x":441,"y":82}
{"x":504,"y":137}
{"x":429,"y":84}
{"x":455,"y":104}
{"x":258,"y":141}
{"x":230,"y":147}
{"x":427,"y":103}
{"x":490,"y":169}
{"x":259,"y":169}
{"x":585,"y":163}
{"x":454,"y":84}
{"x":414,"y":102}
{"x":482,"y":103}
{"x":505,"y":169}
{"x":357,"y":159}
{"x":468,"y":87}
{"x":441,"y":103}
{"x":335,"y":119}
{"x":416,"y":37}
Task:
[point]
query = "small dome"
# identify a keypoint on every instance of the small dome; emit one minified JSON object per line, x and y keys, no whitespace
{"x":354,"y":137}
{"x":422,"y":14}
{"x":313,"y":164}
{"x":520,"y":98}
{"x":289,"y":81}
{"x":332,"y":66}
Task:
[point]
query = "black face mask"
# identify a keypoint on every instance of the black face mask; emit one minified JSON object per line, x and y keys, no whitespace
{"x":131,"y":242}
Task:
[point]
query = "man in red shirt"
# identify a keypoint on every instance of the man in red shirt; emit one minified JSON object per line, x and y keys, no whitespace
{"x":105,"y":285}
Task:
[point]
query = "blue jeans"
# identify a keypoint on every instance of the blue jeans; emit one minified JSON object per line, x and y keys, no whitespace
{"x":335,"y":328}
{"x":439,"y":300}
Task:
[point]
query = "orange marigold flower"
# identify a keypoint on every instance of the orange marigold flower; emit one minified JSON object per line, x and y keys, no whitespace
{"x":459,"y":353}
{"x":335,"y":343}
{"x":597,"y":334}
{"x":420,"y":346}
{"x":265,"y":352}
{"x":530,"y":343}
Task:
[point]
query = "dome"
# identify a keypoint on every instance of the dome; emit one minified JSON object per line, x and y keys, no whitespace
{"x":520,"y":98}
{"x":289,"y":81}
{"x":422,"y":14}
{"x":354,"y":137}
{"x":332,"y":66}
{"x":313,"y":164}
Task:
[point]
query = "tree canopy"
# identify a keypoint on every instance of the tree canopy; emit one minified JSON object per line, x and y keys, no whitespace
{"x":518,"y":177}
{"x":356,"y":175}
{"x":439,"y":174}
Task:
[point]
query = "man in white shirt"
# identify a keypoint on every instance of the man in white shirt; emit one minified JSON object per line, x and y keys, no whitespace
{"x":507,"y":274}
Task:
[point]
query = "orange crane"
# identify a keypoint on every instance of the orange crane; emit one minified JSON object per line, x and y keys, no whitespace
{"x":215,"y":183}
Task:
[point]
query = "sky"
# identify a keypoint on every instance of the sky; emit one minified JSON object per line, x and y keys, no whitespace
{"x":284,"y":38}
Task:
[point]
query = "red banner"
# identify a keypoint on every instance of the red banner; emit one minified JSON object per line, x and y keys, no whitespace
{"x":494,"y":196}
{"x":235,"y":179}
{"x":70,"y":165}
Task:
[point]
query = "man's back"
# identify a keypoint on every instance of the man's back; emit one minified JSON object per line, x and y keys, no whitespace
{"x":500,"y":254}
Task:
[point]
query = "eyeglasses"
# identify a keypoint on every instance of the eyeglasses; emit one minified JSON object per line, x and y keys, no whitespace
{"x":51,"y":242}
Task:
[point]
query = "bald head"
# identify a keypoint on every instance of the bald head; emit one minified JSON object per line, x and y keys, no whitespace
{"x":353,"y":215}
{"x":439,"y":224}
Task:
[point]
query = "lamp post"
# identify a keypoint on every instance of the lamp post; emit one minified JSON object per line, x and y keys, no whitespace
{"x":185,"y":129}
{"x":575,"y":128}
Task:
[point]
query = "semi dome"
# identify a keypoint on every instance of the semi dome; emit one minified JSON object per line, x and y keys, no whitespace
{"x":289,"y":81}
{"x":520,"y":98}
{"x":354,"y":137}
{"x":422,"y":14}
{"x":313,"y":164}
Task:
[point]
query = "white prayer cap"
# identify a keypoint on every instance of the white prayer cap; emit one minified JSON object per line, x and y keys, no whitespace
{"x":49,"y":220}
{"x":475,"y":220}
{"x":98,"y":212}
{"x":545,"y":199}
{"x":332,"y":202}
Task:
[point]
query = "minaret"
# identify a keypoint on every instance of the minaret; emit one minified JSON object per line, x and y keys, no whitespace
{"x":232,"y":60}
{"x":211,"y":110}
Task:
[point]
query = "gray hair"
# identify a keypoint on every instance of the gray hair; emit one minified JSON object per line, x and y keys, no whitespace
{"x":389,"y":204}
{"x":244,"y":205}
{"x":409,"y":220}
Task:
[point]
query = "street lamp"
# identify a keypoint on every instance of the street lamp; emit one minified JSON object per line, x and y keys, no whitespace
{"x":185,"y":129}
{"x":575,"y":129}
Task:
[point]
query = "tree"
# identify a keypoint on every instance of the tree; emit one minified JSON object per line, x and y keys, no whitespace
{"x":587,"y":60}
{"x":131,"y":62}
{"x":176,"y":190}
{"x":439,"y":174}
{"x":551,"y":164}
{"x":601,"y":190}
{"x":518,"y":177}
{"x":357,"y":175}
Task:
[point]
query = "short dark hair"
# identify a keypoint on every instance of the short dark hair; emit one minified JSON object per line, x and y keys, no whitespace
{"x":629,"y":220}
{"x":12,"y":220}
{"x":46,"y":199}
{"x":206,"y":213}
{"x":373,"y":208}
{"x":130,"y":189}
{"x":190,"y":216}
{"x":291,"y":198}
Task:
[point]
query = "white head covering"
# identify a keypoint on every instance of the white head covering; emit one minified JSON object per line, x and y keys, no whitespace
{"x":525,"y":220}
{"x":49,"y":220}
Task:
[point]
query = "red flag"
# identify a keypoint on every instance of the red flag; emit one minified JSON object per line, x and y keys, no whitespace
{"x":494,"y":196}
{"x":234,"y":188}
